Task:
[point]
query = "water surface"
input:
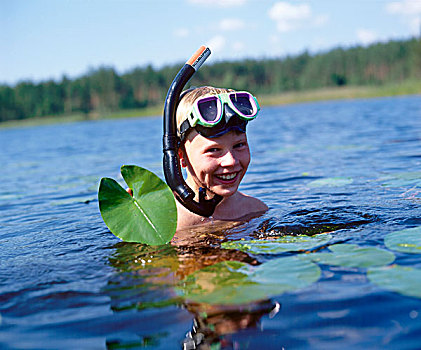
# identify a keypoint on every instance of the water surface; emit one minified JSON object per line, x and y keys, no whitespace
{"x":350,"y":168}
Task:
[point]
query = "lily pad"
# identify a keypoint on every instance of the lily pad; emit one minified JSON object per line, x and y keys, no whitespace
{"x":352,"y":255}
{"x":412,"y":178}
{"x":406,"y":241}
{"x":404,"y":280}
{"x":149,"y":217}
{"x":279,"y":245}
{"x":234,"y":283}
{"x":331,"y":182}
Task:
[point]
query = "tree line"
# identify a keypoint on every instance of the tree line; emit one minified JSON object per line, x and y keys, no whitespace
{"x":103,"y":90}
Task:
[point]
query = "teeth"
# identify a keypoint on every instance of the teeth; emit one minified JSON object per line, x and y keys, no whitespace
{"x":228,"y":176}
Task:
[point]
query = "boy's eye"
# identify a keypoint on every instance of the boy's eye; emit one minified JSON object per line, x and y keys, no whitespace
{"x":240,"y":145}
{"x":212,"y":150}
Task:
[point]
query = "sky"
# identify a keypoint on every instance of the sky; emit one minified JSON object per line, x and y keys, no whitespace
{"x":47,"y":39}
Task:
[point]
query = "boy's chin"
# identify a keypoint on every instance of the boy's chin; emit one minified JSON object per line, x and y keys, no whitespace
{"x":225,"y":191}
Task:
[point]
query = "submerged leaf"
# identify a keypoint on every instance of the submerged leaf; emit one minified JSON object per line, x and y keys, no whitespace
{"x":352,"y":255}
{"x":279,"y":245}
{"x":233,"y":282}
{"x":149,"y":217}
{"x":331,"y":182}
{"x":403,"y":179}
{"x":406,"y":241}
{"x":400,"y":279}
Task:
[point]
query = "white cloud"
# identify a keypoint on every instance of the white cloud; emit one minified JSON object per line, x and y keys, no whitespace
{"x":366,"y":36}
{"x":230,"y":24}
{"x":181,"y":32}
{"x":217,"y":43}
{"x":405,"y":7}
{"x":289,"y":17}
{"x":219,"y":3}
{"x":409,"y":10}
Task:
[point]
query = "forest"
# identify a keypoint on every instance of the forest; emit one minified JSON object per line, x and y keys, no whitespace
{"x":103,"y":90}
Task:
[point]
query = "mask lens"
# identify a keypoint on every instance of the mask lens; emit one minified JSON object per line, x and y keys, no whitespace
{"x":208,"y":108}
{"x":242,"y":102}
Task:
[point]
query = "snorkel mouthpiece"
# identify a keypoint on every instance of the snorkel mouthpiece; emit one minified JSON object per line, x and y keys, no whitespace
{"x":171,"y":163}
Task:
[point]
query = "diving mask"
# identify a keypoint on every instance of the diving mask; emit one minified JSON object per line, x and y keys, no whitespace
{"x":214,"y":115}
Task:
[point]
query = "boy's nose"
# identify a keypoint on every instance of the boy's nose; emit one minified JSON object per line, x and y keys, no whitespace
{"x":228,"y":159}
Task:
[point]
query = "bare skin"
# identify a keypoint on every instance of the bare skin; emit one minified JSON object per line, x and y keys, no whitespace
{"x":219,"y":165}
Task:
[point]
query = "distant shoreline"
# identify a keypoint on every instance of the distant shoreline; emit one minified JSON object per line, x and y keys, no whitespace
{"x":294,"y":97}
{"x":343,"y":93}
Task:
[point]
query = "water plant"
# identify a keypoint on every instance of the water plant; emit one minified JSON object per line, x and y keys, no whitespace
{"x":406,"y":241}
{"x":234,"y":282}
{"x":149,"y":216}
{"x":352,"y":255}
{"x":396,"y":278}
{"x":410,"y":178}
{"x":404,"y":280}
{"x":331,"y":182}
{"x":279,"y":245}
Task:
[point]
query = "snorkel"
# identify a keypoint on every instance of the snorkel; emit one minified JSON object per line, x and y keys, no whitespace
{"x":171,"y":163}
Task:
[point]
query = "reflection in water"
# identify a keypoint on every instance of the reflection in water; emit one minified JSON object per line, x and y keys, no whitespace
{"x":214,"y":324}
{"x":147,"y":277}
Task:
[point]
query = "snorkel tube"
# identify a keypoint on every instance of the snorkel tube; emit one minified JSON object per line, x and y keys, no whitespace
{"x":171,"y":163}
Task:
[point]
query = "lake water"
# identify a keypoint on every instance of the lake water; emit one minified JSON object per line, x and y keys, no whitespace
{"x":349,"y":168}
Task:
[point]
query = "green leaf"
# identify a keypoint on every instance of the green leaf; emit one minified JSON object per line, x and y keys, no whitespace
{"x":149,"y":217}
{"x":331,"y":182}
{"x":412,"y":178}
{"x":352,"y":255}
{"x":279,"y":245}
{"x":406,"y":241}
{"x":400,"y":279}
{"x":233,"y":282}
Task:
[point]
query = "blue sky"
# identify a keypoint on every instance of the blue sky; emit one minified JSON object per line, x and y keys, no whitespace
{"x":44,"y":39}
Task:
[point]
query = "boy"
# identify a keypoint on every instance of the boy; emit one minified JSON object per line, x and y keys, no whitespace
{"x":211,"y":123}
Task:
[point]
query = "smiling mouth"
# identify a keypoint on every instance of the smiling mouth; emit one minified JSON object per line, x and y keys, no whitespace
{"x":227,"y":177}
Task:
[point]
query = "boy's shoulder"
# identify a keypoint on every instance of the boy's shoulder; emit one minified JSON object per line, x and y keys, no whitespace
{"x":186,"y":218}
{"x":251,"y":204}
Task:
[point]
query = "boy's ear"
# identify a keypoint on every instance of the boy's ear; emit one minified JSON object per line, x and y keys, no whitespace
{"x":182,"y":158}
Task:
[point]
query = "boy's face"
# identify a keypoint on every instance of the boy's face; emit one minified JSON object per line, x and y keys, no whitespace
{"x":219,"y":164}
